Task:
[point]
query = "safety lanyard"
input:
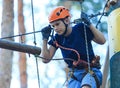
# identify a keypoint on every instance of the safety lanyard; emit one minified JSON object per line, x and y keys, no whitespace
{"x":87,"y":50}
{"x":86,"y":42}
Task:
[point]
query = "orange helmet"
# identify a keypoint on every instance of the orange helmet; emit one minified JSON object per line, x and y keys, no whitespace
{"x":58,"y":13}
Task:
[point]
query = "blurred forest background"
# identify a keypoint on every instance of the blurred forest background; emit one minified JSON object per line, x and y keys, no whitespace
{"x":19,"y":70}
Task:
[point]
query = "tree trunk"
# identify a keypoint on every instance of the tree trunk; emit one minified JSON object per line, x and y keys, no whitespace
{"x":7,"y":27}
{"x":22,"y":56}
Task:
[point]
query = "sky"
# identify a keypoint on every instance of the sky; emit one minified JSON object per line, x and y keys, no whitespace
{"x":51,"y":75}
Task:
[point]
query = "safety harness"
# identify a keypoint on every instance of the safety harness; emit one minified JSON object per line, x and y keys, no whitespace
{"x":81,"y":64}
{"x":96,"y":64}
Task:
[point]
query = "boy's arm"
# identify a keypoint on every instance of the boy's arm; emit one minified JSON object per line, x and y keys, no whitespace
{"x":98,"y":36}
{"x":47,"y":53}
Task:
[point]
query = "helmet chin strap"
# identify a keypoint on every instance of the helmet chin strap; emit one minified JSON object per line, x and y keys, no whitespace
{"x":66,"y":25}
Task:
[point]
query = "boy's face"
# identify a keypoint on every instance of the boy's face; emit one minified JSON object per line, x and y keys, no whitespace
{"x":58,"y":26}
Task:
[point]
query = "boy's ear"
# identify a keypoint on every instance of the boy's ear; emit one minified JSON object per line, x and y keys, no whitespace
{"x":67,"y":20}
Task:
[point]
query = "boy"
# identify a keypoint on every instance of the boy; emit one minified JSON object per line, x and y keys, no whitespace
{"x":72,"y":42}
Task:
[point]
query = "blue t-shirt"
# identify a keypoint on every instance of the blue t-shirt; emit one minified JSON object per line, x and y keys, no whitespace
{"x":76,"y":40}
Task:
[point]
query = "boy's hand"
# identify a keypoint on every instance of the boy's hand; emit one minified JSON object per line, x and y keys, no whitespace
{"x":46,"y":32}
{"x":85,"y":18}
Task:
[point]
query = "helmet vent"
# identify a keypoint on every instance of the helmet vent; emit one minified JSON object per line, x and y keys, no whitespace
{"x":58,"y":13}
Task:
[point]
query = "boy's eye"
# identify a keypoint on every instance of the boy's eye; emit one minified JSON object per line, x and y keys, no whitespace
{"x":57,"y":24}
